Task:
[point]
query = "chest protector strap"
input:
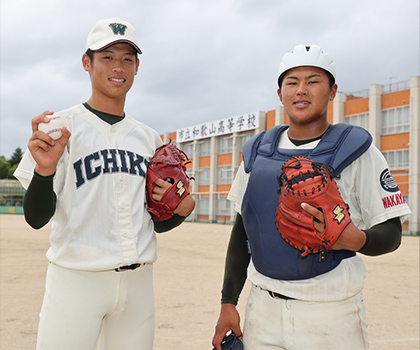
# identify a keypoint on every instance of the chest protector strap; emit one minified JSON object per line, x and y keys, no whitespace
{"x":271,"y":255}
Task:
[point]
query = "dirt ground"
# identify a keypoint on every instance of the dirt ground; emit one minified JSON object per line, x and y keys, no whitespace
{"x":188,"y":277}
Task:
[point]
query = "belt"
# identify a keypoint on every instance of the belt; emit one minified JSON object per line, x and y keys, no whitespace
{"x":279,"y":296}
{"x":128,"y":267}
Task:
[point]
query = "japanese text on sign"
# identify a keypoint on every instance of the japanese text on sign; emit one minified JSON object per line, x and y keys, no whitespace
{"x":243,"y":122}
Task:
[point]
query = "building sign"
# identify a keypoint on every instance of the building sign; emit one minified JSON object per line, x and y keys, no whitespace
{"x":243,"y":122}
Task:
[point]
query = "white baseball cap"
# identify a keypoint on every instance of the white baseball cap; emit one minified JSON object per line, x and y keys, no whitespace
{"x":302,"y":55}
{"x":110,"y":31}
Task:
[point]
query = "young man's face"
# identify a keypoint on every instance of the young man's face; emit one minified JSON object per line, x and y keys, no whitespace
{"x":112,"y":70}
{"x":305,"y":93}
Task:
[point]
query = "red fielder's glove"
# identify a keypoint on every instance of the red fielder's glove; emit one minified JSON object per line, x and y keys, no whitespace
{"x":168,"y":163}
{"x":303,"y":180}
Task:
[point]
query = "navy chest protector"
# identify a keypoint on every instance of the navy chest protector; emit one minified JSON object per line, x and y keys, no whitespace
{"x":271,"y":255}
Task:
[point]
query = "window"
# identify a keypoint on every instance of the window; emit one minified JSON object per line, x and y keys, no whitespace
{"x":204,"y":176}
{"x":223,"y":206}
{"x":224,"y":174}
{"x":205,"y":148}
{"x":244,"y":137}
{"x":395,"y":120}
{"x":203,"y":206}
{"x":188,"y":148}
{"x":225,"y":145}
{"x":361,"y":120}
{"x":397,"y":159}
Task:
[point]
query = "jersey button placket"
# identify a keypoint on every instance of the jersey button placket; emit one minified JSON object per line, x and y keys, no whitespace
{"x":122,"y":195}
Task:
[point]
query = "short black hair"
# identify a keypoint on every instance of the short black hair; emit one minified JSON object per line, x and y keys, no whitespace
{"x":89,"y":54}
{"x":330,"y":78}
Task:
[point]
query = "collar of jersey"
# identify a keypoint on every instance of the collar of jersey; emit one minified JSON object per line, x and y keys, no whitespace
{"x":106,"y":117}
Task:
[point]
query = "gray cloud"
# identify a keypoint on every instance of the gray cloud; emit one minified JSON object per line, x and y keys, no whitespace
{"x":201,"y":60}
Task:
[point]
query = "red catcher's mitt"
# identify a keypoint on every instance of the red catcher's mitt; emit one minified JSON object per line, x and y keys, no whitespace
{"x":168,"y":163}
{"x":303,"y":180}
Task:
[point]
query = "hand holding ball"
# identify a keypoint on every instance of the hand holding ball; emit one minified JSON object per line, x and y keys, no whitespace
{"x":53,"y":128}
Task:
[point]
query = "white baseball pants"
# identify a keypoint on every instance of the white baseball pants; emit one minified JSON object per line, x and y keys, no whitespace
{"x":274,"y":324}
{"x":82,"y":309}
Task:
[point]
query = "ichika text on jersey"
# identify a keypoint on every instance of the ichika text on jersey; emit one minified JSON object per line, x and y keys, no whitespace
{"x":109,"y":161}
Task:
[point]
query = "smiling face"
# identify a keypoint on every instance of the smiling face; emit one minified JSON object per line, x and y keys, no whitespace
{"x":305,"y":93}
{"x":112,"y":73}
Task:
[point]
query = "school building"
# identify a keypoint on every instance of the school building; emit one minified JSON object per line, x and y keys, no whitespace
{"x":391,"y":113}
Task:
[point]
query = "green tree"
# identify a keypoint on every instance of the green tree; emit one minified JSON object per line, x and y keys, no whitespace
{"x":16,"y":156}
{"x":4,"y":168}
{"x":11,"y":171}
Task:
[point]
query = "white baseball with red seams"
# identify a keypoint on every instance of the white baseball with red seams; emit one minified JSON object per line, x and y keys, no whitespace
{"x":53,"y":128}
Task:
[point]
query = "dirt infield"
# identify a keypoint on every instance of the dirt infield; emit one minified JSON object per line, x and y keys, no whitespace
{"x":188,"y":277}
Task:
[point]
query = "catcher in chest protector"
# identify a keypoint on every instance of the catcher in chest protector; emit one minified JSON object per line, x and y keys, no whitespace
{"x":309,"y":200}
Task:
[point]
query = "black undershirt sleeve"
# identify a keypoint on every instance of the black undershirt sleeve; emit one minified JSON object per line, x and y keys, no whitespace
{"x":39,"y":201}
{"x":383,"y":238}
{"x":236,"y":264}
{"x":164,"y":226}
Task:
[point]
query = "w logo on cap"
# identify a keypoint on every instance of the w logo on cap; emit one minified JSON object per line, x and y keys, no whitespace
{"x":118,"y":28}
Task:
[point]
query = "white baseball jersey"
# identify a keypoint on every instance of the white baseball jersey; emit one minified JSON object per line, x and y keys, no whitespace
{"x":101,"y":221}
{"x":366,"y":185}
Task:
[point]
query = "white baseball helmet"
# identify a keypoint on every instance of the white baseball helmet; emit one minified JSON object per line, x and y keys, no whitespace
{"x":302,"y":55}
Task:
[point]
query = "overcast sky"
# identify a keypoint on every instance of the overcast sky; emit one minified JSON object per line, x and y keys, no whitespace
{"x":202,"y":60}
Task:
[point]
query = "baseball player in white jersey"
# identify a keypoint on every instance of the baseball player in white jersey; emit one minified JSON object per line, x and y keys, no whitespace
{"x":91,"y":182}
{"x":313,"y":302}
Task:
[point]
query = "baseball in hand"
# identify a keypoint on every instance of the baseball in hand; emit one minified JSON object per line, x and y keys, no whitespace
{"x":53,"y":128}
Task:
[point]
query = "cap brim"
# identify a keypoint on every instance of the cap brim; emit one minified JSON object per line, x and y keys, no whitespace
{"x":102,"y":47}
